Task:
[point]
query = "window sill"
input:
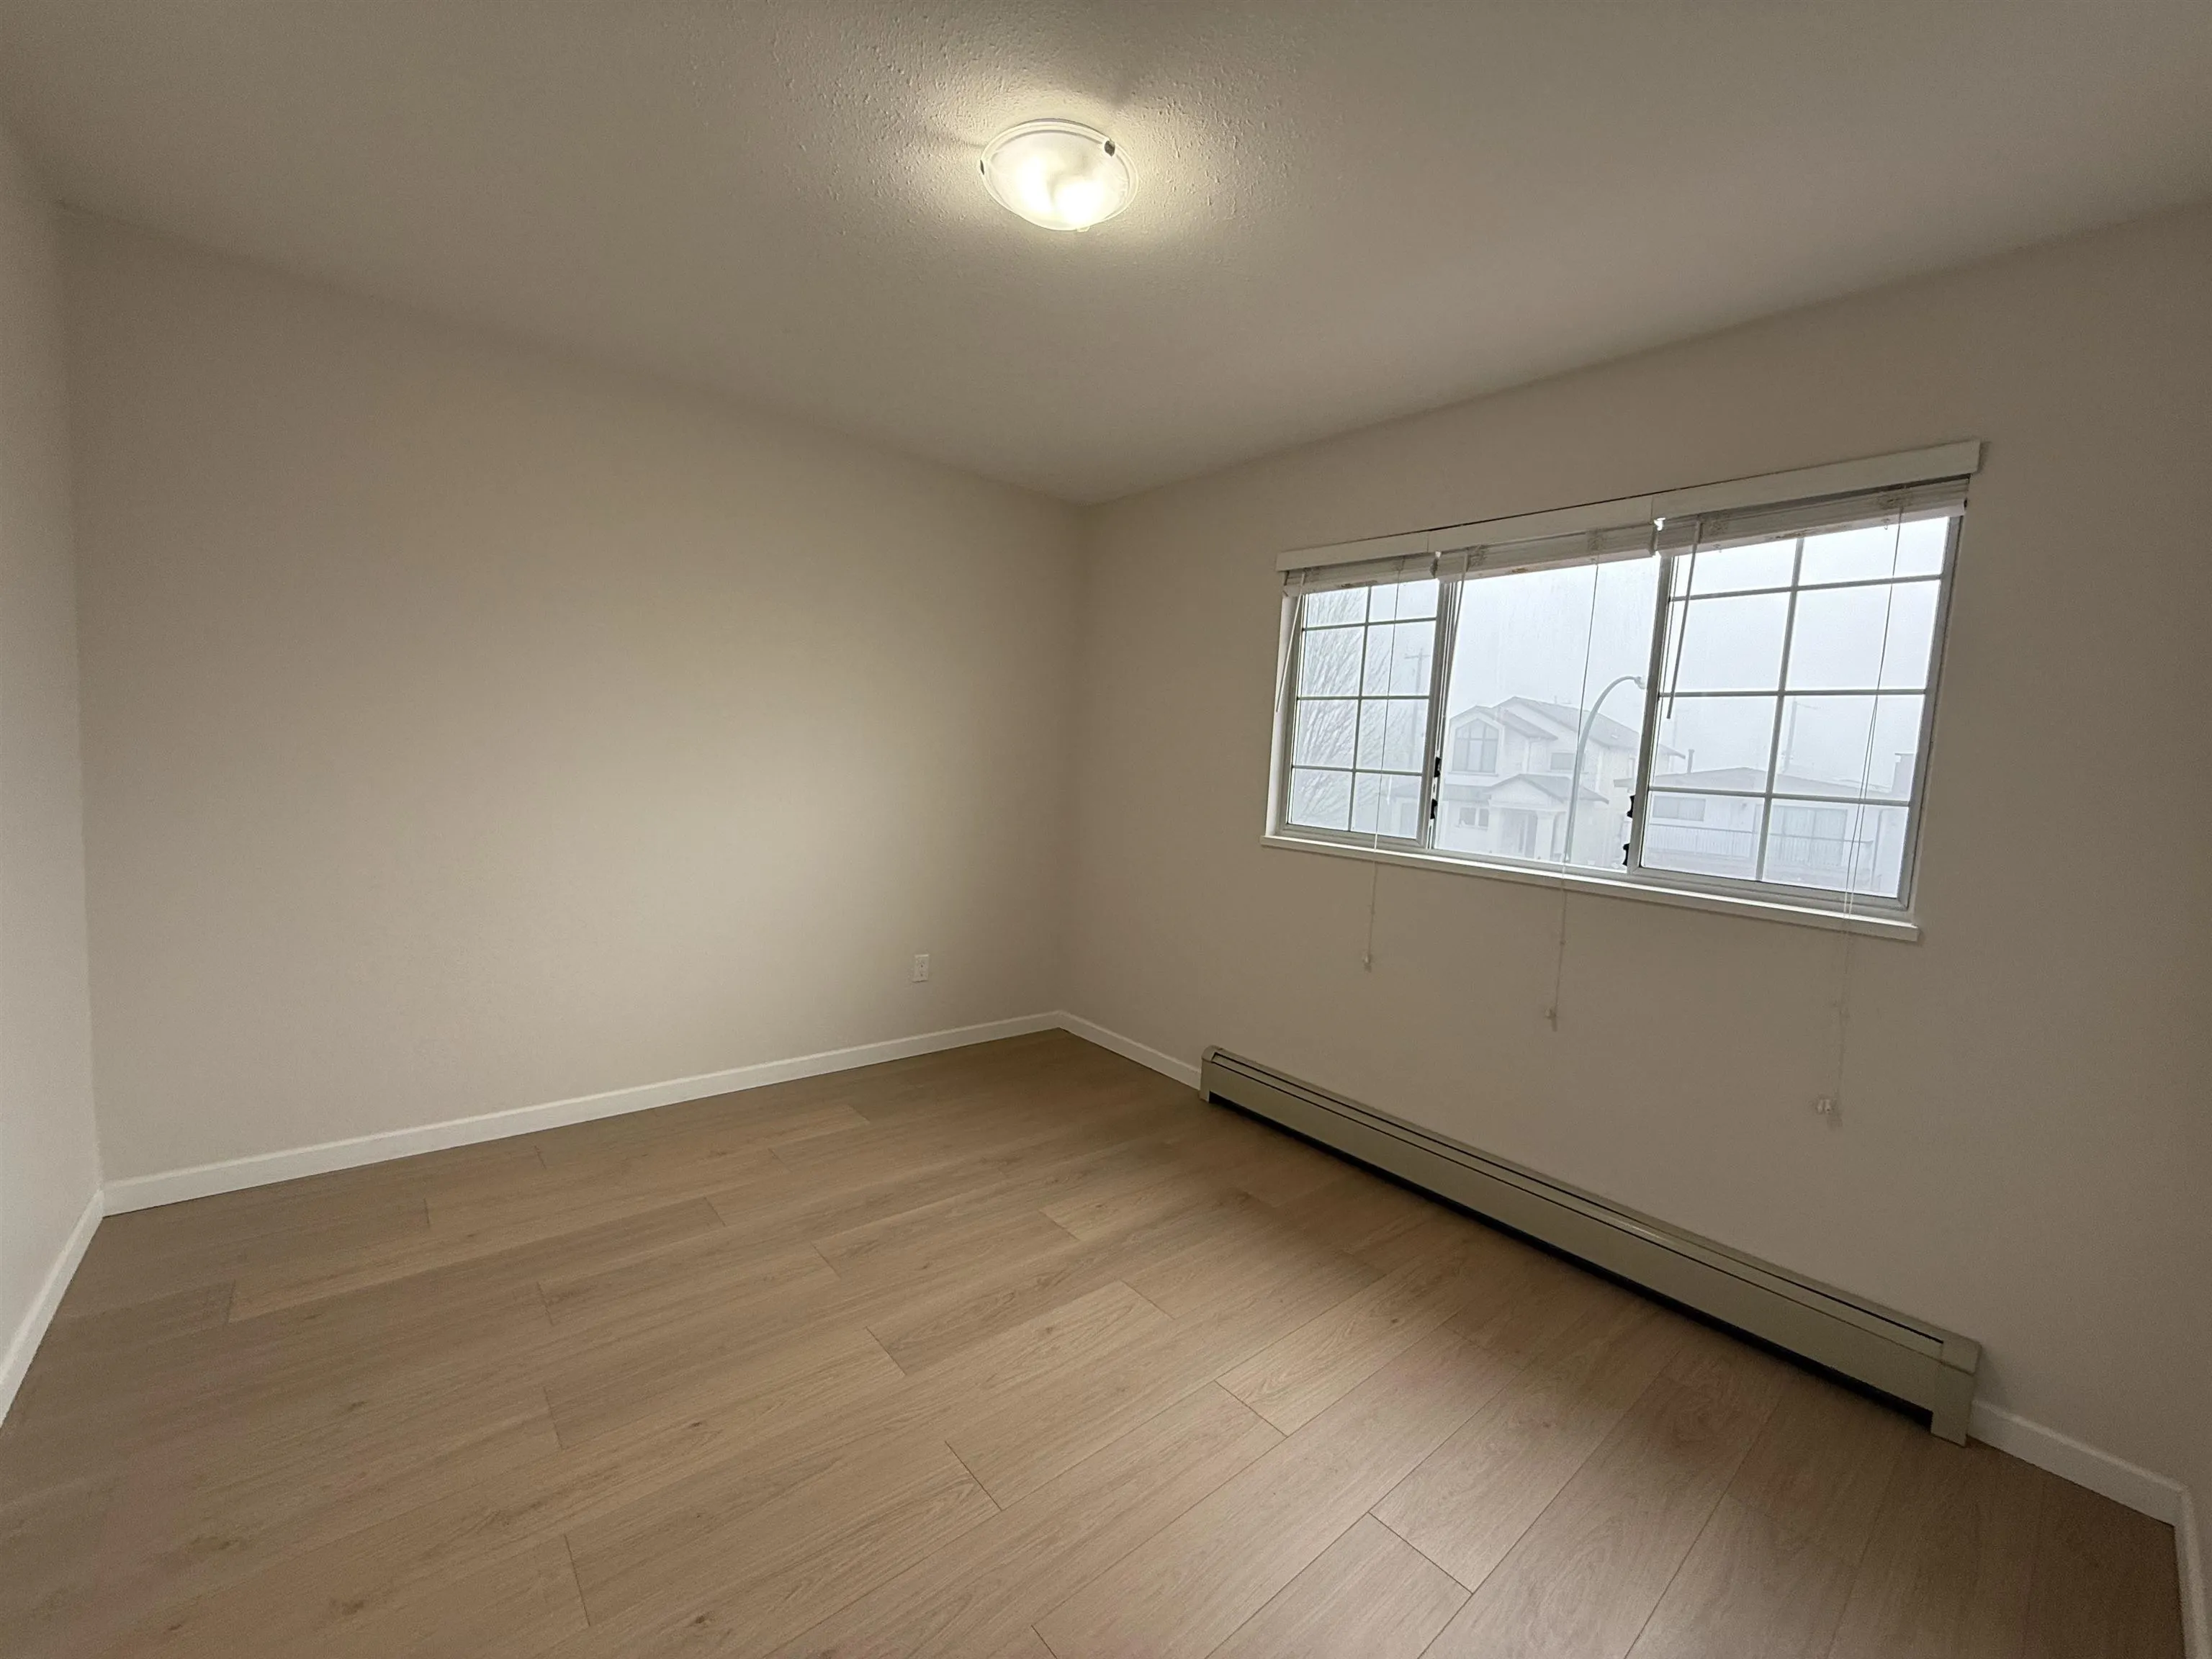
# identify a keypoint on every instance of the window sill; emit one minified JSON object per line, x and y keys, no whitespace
{"x":1898,"y":927}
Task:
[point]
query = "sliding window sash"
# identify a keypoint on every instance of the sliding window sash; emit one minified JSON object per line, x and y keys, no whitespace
{"x":1684,"y":538}
{"x":1300,"y":584}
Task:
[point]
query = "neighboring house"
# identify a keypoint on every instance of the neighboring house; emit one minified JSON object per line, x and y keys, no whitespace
{"x":1809,"y":843}
{"x":1505,"y":785}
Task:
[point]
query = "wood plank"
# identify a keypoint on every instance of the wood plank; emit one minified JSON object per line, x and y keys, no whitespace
{"x":1369,"y":1595}
{"x":654,"y":1492}
{"x":1098,"y":1214}
{"x":179,"y":1535}
{"x":1588,"y":1573}
{"x":699,"y":1275}
{"x":1750,"y":1589}
{"x":1018,"y":1442}
{"x":987,"y":1587}
{"x":1821,"y":1464}
{"x":49,"y":1566}
{"x":1441,"y":1228}
{"x":148,"y":1255}
{"x":1947,"y":1569}
{"x":823,"y":1202}
{"x":464,"y":1518}
{"x":595,"y":1387}
{"x":203,"y":1389}
{"x":1253,"y":1156}
{"x":1358,"y":1211}
{"x":1296,"y":1377}
{"x":613,"y":1185}
{"x":751,"y":1582}
{"x":136,"y":1325}
{"x":1469,"y":1502}
{"x":517,"y":1606}
{"x":1250,"y":1260}
{"x":1522,"y":1302}
{"x":697,"y":1131}
{"x":517,"y":1600}
{"x":550,"y":1243}
{"x":668,"y":1550}
{"x":956,"y":1235}
{"x":1189,"y":1586}
{"x":931,"y":1325}
{"x":2106,"y":1582}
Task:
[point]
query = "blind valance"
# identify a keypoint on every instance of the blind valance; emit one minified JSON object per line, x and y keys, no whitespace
{"x":1919,"y":483}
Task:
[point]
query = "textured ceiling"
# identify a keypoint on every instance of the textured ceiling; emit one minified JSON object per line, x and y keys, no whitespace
{"x":1344,"y":211}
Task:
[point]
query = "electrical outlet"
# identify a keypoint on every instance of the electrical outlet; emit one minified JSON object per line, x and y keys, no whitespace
{"x":920,"y":966}
{"x":1828,"y":1107}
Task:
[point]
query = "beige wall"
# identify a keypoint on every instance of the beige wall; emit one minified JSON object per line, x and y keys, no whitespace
{"x":465,"y":729}
{"x":49,"y":1158}
{"x":2022,"y":1153}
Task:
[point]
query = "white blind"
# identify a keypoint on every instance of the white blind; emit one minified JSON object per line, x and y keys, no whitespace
{"x":1601,"y":530}
{"x":1918,"y":483}
{"x":1741,"y":527}
{"x":1627,"y":541}
{"x":1402,"y":568}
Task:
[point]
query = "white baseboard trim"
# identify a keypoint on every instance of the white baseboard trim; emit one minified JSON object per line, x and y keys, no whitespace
{"x":232,"y":1175}
{"x":31,"y":1330}
{"x":1130,"y":1048}
{"x":2147,"y":1493}
{"x":261,"y":1170}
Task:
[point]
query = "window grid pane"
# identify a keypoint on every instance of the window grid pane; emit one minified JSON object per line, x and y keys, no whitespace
{"x":1359,"y":713}
{"x":1715,"y":836}
{"x":1323,"y":731}
{"x":1843,"y":706}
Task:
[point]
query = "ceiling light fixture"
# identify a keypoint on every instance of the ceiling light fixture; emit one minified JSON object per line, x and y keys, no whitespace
{"x":1059,"y":175}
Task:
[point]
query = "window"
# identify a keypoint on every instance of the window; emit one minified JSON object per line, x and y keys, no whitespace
{"x":1360,"y":711}
{"x":1736,"y":699}
{"x":1474,"y":748}
{"x":1797,"y":670}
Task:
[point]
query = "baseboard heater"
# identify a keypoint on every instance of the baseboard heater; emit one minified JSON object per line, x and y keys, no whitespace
{"x":1906,"y":1358}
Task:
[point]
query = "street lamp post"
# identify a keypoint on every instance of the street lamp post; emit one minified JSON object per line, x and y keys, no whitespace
{"x":1582,"y":742}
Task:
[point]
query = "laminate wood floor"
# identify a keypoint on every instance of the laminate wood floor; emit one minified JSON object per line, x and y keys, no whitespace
{"x":1019,"y":1350}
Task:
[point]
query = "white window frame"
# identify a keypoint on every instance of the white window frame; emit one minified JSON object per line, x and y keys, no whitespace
{"x":1447,"y":618}
{"x":1559,"y":536}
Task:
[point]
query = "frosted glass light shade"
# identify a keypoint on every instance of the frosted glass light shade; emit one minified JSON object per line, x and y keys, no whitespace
{"x":1059,"y":175}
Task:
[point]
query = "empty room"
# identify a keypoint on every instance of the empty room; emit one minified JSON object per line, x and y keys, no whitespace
{"x":1042,"y":828}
